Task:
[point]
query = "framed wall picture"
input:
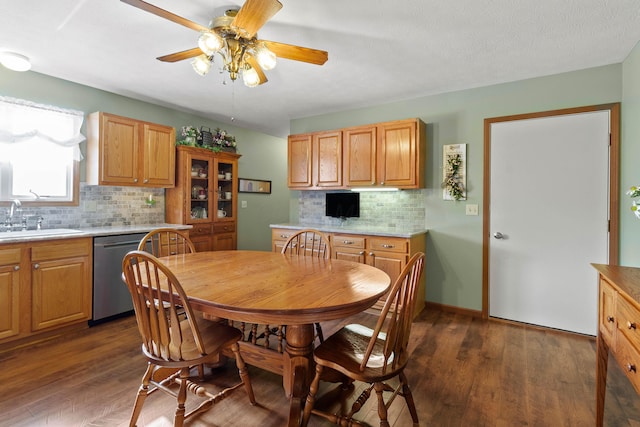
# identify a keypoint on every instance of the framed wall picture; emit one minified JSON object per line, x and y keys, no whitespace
{"x":246,"y":185}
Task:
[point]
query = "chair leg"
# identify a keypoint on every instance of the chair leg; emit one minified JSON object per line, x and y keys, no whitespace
{"x":382,"y":407}
{"x":408,"y":397}
{"x":178,"y":420}
{"x":143,"y":391}
{"x":311,"y":397}
{"x":319,"y":333}
{"x":244,"y":373}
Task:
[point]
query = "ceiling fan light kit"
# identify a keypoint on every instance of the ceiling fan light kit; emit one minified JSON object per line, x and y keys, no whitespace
{"x":234,"y":37}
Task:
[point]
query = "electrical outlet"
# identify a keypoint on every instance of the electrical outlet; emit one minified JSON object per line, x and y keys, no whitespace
{"x":243,"y":204}
{"x":471,"y":209}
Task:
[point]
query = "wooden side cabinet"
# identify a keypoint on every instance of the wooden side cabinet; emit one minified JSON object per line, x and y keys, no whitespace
{"x":45,"y":286}
{"x":618,"y":327}
{"x":127,"y":152}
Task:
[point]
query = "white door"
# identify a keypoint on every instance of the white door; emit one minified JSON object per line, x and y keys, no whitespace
{"x":548,"y":219}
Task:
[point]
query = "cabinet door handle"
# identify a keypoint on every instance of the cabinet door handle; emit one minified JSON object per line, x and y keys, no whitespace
{"x":372,"y":254}
{"x":361,"y":253}
{"x":631,"y":325}
{"x":146,"y":181}
{"x":610,"y":319}
{"x":16,"y":267}
{"x":135,"y":180}
{"x":347,"y":242}
{"x":388,"y":246}
{"x":284,"y":236}
{"x":36,"y":266}
{"x":631,"y":367}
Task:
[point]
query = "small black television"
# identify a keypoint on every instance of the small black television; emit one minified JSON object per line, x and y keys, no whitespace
{"x":342,"y":205}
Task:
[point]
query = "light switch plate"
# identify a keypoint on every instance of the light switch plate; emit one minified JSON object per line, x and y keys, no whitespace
{"x":471,"y":209}
{"x":243,"y":204}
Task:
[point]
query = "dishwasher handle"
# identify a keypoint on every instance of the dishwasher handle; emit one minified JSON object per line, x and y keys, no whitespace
{"x":117,"y":244}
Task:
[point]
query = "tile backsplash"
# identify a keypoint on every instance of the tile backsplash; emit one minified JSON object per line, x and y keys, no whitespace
{"x":394,"y":209}
{"x":102,"y":206}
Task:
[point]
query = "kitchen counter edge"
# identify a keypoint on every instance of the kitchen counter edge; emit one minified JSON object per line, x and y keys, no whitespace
{"x":95,"y":232}
{"x":368,"y":231}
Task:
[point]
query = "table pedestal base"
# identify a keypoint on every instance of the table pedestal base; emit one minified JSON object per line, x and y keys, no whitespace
{"x":298,"y":372}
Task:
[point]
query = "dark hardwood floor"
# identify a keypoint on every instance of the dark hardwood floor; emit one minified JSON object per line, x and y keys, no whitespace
{"x":465,"y":372}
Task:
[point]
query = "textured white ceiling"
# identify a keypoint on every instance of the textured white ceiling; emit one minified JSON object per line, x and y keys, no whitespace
{"x":379,"y":51}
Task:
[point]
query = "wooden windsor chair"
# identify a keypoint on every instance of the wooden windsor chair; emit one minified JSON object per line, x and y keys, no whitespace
{"x":175,"y":341}
{"x":307,"y":242}
{"x":373,"y":356}
{"x":166,"y":241}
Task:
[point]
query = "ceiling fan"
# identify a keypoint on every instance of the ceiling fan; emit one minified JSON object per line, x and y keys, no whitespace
{"x":234,"y":37}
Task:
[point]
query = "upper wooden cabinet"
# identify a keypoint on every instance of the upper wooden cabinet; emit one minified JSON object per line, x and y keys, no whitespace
{"x":360,"y":156}
{"x":315,"y":160}
{"x":390,"y":154}
{"x":125,"y":151}
{"x":401,"y":154}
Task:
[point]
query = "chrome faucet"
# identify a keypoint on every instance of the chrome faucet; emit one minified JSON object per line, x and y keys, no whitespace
{"x":15,"y":204}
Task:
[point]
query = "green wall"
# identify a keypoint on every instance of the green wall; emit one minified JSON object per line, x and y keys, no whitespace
{"x":454,"y":243}
{"x":263,"y":156}
{"x":630,"y":164}
{"x":454,"y":261}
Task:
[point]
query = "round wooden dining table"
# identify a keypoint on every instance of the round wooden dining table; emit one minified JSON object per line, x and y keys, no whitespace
{"x":279,"y":289}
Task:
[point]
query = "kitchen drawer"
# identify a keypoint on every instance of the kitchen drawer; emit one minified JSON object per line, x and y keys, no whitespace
{"x":10,"y":256}
{"x":200,"y":229}
{"x":57,"y":249}
{"x":227,"y":227}
{"x":388,"y":244}
{"x":629,"y":360}
{"x":347,"y":241}
{"x":607,"y":310}
{"x":282,"y":233}
{"x":628,"y":319}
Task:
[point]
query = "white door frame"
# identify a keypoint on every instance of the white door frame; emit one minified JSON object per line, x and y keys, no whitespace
{"x":614,"y":185}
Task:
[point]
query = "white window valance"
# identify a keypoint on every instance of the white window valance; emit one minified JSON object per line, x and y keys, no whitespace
{"x":26,"y":121}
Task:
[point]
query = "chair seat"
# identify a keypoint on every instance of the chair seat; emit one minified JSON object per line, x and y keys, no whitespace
{"x":215,"y":337}
{"x":345,"y":349}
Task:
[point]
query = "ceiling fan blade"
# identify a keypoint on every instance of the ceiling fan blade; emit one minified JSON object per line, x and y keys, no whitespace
{"x":253,"y":15}
{"x":179,"y":56}
{"x":297,"y":53}
{"x":254,"y":64}
{"x":147,"y":7}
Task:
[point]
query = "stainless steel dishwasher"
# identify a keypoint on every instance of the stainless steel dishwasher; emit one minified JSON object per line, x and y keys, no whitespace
{"x":111,"y":297}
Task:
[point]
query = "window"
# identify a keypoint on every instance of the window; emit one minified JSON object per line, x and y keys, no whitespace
{"x":39,"y":153}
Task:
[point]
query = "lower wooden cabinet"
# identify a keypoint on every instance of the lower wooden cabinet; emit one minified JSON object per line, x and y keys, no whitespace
{"x":10,"y":273}
{"x":389,"y":254}
{"x":44,"y":286}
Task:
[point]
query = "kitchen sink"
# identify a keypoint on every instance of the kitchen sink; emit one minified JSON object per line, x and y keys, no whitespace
{"x":37,"y":233}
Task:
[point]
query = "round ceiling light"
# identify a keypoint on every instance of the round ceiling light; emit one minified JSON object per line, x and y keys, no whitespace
{"x":15,"y":61}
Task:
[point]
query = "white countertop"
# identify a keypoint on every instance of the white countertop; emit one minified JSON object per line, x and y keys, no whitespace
{"x":31,"y":235}
{"x":368,"y":230}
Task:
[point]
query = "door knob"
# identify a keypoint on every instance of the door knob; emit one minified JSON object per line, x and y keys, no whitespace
{"x":498,"y":235}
